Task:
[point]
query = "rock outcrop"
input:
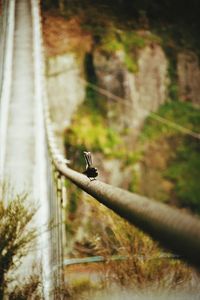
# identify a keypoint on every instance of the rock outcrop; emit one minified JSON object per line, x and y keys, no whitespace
{"x":141,"y":92}
{"x":65,"y":91}
{"x":64,"y":87}
{"x":188,"y":72}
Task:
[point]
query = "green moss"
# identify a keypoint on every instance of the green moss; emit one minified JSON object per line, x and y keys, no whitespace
{"x":127,"y":41}
{"x":130,"y":63}
{"x":111,"y":43}
{"x":132,"y":40}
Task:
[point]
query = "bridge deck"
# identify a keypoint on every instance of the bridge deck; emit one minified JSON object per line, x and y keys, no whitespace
{"x":20,"y":140}
{"x":22,"y":128}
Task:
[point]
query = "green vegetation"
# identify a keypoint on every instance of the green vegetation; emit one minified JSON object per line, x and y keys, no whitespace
{"x":183,"y":166}
{"x":90,"y":129}
{"x":129,"y":42}
{"x":184,"y":171}
{"x":87,"y":136}
{"x":178,"y":112}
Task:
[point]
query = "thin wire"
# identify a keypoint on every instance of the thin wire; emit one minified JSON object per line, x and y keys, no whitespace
{"x":152,"y":115}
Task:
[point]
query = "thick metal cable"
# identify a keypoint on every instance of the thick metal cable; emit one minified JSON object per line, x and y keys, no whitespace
{"x":175,"y":230}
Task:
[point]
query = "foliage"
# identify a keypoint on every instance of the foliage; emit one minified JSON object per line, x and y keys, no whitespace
{"x":95,"y":138}
{"x":29,"y":289}
{"x":140,"y":264}
{"x":171,"y":53}
{"x":127,"y":41}
{"x":178,"y":112}
{"x":183,"y":168}
{"x":117,"y":40}
{"x":15,"y":236}
{"x":184,"y":171}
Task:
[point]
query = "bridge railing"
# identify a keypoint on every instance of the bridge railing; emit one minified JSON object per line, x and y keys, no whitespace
{"x":6,"y":56}
{"x":57,"y":195}
{"x":172,"y":228}
{"x":3,"y":34}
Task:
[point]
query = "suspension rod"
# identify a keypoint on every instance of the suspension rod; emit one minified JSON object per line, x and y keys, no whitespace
{"x":172,"y":228}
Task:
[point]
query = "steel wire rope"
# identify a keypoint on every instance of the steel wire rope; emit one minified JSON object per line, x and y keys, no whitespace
{"x":57,"y":192}
{"x":175,"y":230}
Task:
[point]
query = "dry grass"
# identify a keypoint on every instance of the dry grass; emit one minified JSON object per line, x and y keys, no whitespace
{"x":30,"y":289}
{"x":142,"y":266}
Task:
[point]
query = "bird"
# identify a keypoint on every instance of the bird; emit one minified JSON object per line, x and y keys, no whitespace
{"x":91,"y":172}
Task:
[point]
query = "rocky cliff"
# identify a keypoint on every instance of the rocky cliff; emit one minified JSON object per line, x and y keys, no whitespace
{"x":132,"y":70}
{"x":141,"y":92}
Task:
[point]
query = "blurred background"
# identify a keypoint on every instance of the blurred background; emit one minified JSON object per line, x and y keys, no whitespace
{"x":123,"y":81}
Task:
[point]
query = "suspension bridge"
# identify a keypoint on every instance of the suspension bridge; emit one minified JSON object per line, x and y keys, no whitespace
{"x":31,"y":160}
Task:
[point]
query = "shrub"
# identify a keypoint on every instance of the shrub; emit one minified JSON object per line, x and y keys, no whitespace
{"x":30,"y":289}
{"x":16,"y":236}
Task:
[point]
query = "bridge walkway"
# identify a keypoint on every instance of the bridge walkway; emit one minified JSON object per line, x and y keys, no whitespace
{"x":20,"y":139}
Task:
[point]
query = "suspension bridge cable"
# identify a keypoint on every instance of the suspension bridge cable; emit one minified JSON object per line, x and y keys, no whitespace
{"x":174,"y":229}
{"x":152,"y":115}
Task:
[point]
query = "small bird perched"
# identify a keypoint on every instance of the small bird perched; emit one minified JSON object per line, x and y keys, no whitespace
{"x":91,"y":172}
